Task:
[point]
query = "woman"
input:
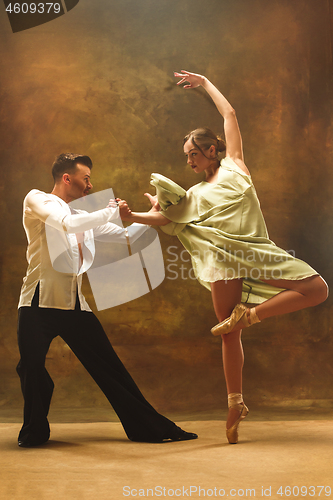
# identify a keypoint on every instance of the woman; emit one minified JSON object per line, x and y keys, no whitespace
{"x":220,"y":223}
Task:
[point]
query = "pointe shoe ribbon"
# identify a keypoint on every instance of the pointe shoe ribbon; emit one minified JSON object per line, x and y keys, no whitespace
{"x":238,"y":314}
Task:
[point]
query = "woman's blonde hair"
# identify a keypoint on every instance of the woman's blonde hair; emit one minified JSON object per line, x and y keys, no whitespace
{"x":203,"y":138}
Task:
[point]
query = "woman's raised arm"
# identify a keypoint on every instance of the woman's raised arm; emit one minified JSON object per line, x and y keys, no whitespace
{"x":232,"y":133}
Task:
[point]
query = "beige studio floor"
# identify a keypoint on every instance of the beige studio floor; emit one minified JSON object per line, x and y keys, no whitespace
{"x":95,"y":461}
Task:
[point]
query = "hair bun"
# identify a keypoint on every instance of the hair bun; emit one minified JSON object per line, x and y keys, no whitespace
{"x":220,"y":144}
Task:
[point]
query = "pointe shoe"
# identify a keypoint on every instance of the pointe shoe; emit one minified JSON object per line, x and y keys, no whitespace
{"x":238,"y":314}
{"x":232,"y":432}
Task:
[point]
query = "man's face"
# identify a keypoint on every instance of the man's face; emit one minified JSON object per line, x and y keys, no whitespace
{"x":79,"y":184}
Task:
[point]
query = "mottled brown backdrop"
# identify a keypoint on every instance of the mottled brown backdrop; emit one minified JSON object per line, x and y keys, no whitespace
{"x":99,"y":81}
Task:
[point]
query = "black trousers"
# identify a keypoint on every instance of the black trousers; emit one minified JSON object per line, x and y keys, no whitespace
{"x":84,"y":334}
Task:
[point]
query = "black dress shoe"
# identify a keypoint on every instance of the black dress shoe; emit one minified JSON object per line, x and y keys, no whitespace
{"x":177,"y":434}
{"x":30,"y":444}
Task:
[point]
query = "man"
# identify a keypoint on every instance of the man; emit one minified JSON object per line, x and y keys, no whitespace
{"x":52,"y":303}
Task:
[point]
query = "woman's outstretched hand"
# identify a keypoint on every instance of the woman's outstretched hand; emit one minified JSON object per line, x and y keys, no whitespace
{"x":193,"y":79}
{"x":155,"y":206}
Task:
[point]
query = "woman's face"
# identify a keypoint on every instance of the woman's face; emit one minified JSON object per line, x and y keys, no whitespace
{"x":198,"y":161}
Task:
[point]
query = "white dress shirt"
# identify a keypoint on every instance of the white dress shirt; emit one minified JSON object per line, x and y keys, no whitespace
{"x":50,"y":224}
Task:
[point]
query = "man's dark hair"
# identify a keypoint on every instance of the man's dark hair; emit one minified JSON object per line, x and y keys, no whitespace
{"x":66,"y":163}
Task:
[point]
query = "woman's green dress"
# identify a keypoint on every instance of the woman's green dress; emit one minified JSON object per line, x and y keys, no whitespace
{"x":222,"y":227}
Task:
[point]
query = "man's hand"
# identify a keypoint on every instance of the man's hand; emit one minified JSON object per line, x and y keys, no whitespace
{"x":112,"y":203}
{"x":124,"y":211}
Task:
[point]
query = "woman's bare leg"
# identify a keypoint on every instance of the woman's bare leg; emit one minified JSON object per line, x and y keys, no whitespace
{"x":225,"y":295}
{"x":298,"y":295}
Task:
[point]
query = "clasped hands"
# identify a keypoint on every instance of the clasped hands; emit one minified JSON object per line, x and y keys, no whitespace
{"x":124,"y":210}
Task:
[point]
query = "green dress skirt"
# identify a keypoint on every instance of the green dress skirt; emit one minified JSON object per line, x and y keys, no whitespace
{"x":222,"y":227}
